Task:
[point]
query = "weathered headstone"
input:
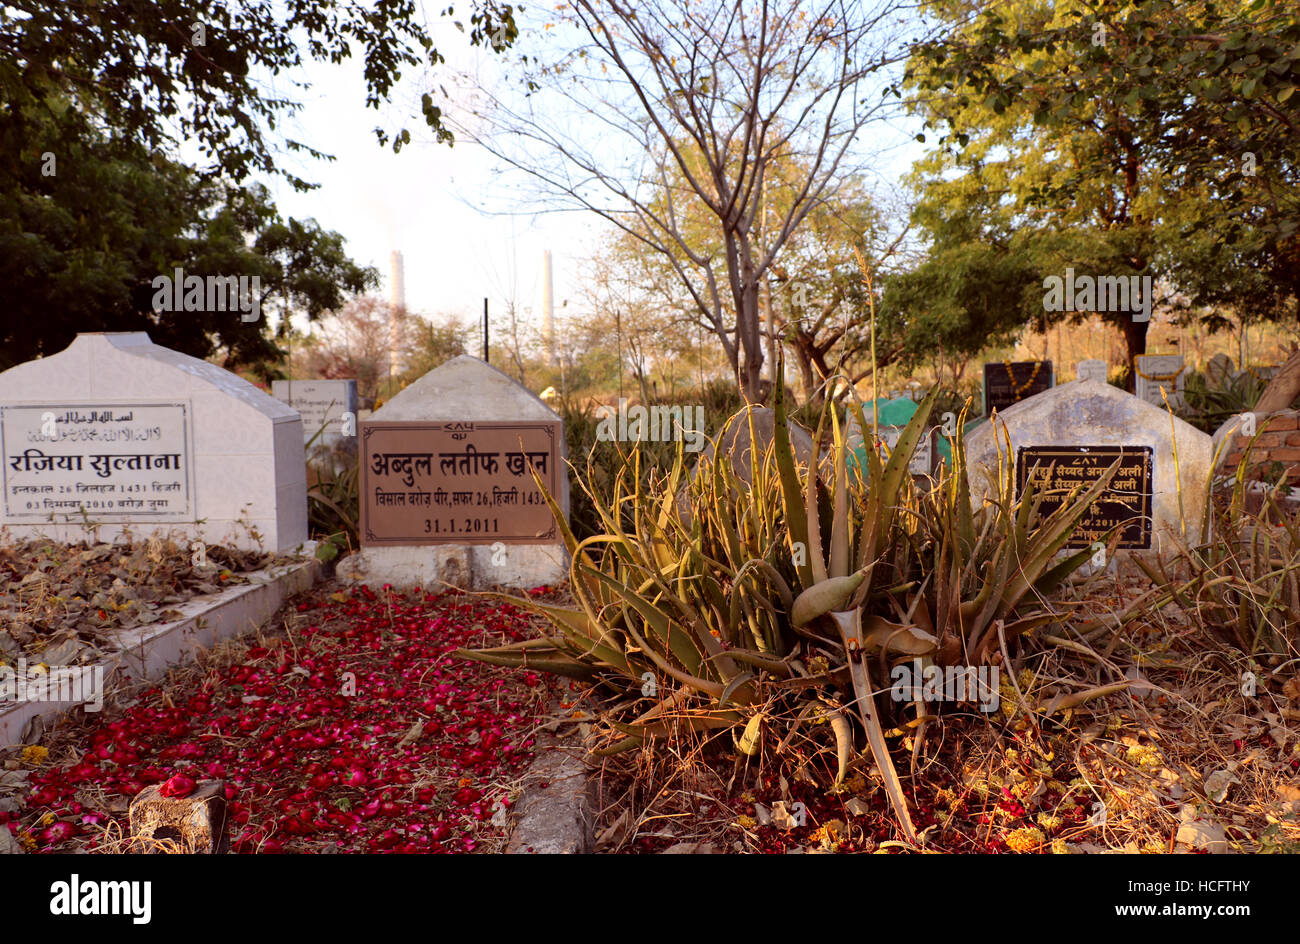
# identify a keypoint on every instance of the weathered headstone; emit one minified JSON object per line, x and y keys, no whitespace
{"x":1078,"y":432}
{"x":1160,"y":371}
{"x":119,"y":433}
{"x":324,"y":405}
{"x":1219,"y":369}
{"x":1097,"y":370}
{"x":1263,"y":375}
{"x":1008,"y":382}
{"x":894,"y":416}
{"x":447,"y":494}
{"x":922,"y":461}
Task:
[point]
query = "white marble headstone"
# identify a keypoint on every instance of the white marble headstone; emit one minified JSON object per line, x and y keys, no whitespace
{"x":1067,"y":422}
{"x":1156,"y":371}
{"x":323,"y":405}
{"x":119,"y":432}
{"x":462,"y":392}
{"x":1097,"y":370}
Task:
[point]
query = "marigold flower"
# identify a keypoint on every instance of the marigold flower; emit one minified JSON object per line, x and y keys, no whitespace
{"x":1025,"y":839}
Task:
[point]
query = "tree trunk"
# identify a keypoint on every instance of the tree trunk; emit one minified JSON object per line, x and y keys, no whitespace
{"x":1283,"y":389}
{"x":752,"y":363}
{"x":1135,"y":342}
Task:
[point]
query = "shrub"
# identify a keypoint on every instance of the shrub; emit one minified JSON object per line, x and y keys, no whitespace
{"x":787,"y":598}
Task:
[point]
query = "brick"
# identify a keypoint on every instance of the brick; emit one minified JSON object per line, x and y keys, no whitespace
{"x":1269,"y":440}
{"x":1293,"y":439}
{"x":1284,"y":454}
{"x":197,"y":823}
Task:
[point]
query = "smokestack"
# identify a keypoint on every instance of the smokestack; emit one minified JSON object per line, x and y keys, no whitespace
{"x":398,"y":281}
{"x":396,"y":307}
{"x":548,"y":308}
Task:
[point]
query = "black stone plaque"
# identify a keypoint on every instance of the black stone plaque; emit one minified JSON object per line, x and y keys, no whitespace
{"x":1005,"y":384}
{"x":1127,"y":500}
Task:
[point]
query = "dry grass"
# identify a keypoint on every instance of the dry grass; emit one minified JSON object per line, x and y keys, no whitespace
{"x":1113,"y":745}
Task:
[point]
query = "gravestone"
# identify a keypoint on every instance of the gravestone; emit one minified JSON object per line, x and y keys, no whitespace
{"x":1008,"y":382}
{"x":922,"y":461}
{"x":1078,"y":431}
{"x":1093,"y":370}
{"x":1160,"y":371}
{"x":124,"y":434}
{"x":894,"y":416}
{"x":323,"y":405}
{"x":1263,"y":375}
{"x":446,"y":487}
{"x":1219,"y":369}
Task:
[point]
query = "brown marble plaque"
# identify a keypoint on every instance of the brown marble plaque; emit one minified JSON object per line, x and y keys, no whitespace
{"x":1126,"y":502}
{"x":458,"y":483}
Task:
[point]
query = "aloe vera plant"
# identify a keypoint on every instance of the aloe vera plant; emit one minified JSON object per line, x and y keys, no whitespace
{"x":809,"y":564}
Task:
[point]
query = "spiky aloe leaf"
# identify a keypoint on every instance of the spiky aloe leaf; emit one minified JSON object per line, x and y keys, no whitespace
{"x":850,"y":627}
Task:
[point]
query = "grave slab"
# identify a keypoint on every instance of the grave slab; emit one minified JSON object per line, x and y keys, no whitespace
{"x":322,"y":404}
{"x":117,"y":433}
{"x":1094,"y":369}
{"x":1082,"y":427}
{"x":1008,"y":382}
{"x":447,"y":495}
{"x":1160,"y":371}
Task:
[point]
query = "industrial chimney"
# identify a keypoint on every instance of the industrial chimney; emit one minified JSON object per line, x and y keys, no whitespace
{"x":548,"y":309}
{"x":398,"y":281}
{"x":396,"y":307}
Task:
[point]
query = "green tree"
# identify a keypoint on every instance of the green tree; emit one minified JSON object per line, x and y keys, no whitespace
{"x":196,"y":71}
{"x":81,"y":245}
{"x":1118,"y":138}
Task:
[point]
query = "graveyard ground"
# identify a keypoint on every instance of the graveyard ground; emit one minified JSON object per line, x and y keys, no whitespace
{"x":1180,"y":761}
{"x":342,"y":726}
{"x":428,"y":753}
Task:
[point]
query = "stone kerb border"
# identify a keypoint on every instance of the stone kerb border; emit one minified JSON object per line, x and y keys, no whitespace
{"x":147,"y":652}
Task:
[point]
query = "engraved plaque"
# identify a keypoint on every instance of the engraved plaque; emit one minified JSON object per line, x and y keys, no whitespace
{"x":458,"y":483}
{"x":109,"y":462}
{"x":1007,"y":384}
{"x":1127,"y":501}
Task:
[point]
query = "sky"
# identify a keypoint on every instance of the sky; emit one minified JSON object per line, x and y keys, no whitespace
{"x":424,"y":201}
{"x":428,"y":200}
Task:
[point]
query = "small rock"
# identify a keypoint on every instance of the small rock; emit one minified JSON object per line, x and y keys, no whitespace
{"x":1202,"y":835}
{"x":197,"y":822}
{"x":1218,"y":784}
{"x":691,"y":848}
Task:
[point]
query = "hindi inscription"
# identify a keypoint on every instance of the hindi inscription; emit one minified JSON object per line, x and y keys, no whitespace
{"x":458,"y":483}
{"x":108,"y":462}
{"x":1057,"y":470}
